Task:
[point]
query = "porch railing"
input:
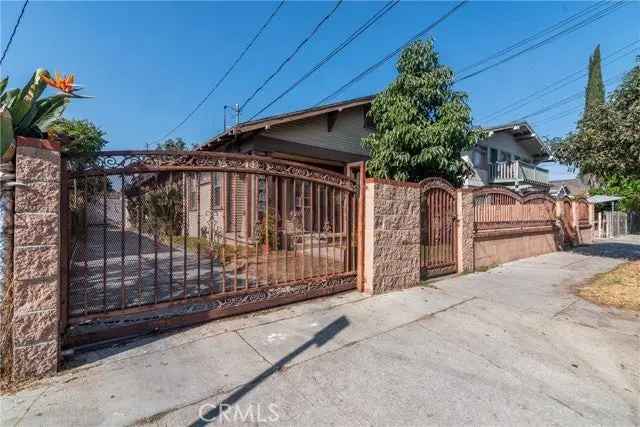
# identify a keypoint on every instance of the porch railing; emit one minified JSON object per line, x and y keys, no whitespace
{"x":517,"y":171}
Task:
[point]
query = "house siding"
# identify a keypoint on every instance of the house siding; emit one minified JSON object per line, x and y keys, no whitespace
{"x":345,"y":135}
{"x":500,"y":141}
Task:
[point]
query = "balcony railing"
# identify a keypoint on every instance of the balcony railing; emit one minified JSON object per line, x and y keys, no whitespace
{"x":517,"y":172}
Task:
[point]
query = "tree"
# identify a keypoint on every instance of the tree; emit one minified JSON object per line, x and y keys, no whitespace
{"x":594,"y":92}
{"x":78,"y":136}
{"x":421,"y":124}
{"x":171,"y":144}
{"x":627,"y":188}
{"x":606,"y":142}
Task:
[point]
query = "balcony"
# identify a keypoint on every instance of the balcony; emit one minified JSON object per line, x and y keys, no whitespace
{"x":517,"y":172}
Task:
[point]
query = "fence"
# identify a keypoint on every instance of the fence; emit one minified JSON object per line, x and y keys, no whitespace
{"x":148,"y":230}
{"x":612,"y":224}
{"x":499,"y":208}
{"x":508,"y":226}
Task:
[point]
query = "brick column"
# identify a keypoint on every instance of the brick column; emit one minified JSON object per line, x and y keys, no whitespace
{"x":466,"y":249}
{"x":392,"y":236}
{"x":36,"y":259}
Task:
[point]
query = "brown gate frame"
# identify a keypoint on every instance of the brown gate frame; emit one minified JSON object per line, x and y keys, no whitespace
{"x":360,"y":169}
{"x":441,"y":184}
{"x":120,"y":163}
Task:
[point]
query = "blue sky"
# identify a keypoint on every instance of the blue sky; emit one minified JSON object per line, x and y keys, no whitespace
{"x":149,"y":63}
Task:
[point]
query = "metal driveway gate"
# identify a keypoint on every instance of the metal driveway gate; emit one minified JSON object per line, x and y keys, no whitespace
{"x":220,"y":233}
{"x":438,"y":237}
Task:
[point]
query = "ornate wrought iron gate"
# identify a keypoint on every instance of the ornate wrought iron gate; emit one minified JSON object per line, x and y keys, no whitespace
{"x":438,"y":239}
{"x":202,"y":234}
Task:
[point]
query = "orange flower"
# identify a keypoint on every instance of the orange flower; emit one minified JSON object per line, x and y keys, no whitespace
{"x":65,"y":84}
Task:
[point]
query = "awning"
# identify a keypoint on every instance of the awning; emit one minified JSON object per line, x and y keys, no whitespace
{"x":603,"y":199}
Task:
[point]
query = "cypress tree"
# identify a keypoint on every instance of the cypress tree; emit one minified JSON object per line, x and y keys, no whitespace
{"x":594,"y":93}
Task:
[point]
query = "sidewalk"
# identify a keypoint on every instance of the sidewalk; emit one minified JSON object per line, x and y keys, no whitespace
{"x":513,"y":345}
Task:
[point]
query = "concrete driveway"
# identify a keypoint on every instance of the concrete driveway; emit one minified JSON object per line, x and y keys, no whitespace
{"x":513,"y":345}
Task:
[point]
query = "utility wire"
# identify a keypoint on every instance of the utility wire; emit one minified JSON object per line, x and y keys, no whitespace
{"x":535,"y":36}
{"x":226,"y":74}
{"x":13,"y":32}
{"x":292,"y":55}
{"x":560,"y":83}
{"x":589,"y":20}
{"x":364,"y":27}
{"x":576,"y":96}
{"x":394,"y":53}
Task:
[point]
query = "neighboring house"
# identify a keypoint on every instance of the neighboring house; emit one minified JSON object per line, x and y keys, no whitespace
{"x":329,"y":137}
{"x":568,"y":188}
{"x":509,"y":157}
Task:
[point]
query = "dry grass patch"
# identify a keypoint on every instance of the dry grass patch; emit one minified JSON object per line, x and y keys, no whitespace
{"x":618,"y":288}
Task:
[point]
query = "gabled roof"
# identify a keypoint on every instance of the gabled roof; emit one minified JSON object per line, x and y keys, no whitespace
{"x":575,"y":185}
{"x":278,"y":119}
{"x":522,"y":131}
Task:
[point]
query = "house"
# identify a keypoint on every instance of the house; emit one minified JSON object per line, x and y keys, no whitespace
{"x":568,"y":187}
{"x":328,"y":137}
{"x":509,"y":157}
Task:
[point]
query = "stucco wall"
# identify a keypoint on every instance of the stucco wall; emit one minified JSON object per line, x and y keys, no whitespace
{"x":392,"y":236}
{"x":495,"y":248}
{"x":585,"y":235}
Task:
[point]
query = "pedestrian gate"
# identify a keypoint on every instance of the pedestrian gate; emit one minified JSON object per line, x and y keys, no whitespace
{"x":438,"y":237}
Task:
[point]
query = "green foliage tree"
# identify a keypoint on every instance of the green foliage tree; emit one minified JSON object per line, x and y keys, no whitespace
{"x":627,"y":188}
{"x":421,"y":124}
{"x":606,"y":142}
{"x":78,"y":136}
{"x":171,"y":144}
{"x":594,"y":92}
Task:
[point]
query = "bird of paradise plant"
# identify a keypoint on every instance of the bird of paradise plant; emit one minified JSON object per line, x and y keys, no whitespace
{"x":24,"y":113}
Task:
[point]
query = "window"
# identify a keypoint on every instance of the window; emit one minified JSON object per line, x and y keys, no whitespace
{"x":479,"y":157}
{"x":504,"y":156}
{"x":493,"y":155}
{"x":368,"y":121}
{"x":192,"y":189}
{"x":216,"y":190}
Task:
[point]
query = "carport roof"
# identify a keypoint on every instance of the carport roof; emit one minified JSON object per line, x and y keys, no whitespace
{"x":603,"y":199}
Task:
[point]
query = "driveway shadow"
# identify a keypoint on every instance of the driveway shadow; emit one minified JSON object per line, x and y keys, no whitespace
{"x":617,"y":250}
{"x":319,"y":339}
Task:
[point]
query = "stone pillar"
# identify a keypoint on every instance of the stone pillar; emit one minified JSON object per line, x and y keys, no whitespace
{"x":36,"y":259}
{"x":466,"y":219}
{"x":391,"y":235}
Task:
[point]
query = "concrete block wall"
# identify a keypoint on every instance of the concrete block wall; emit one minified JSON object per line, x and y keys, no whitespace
{"x":392,"y":235}
{"x":36,"y":259}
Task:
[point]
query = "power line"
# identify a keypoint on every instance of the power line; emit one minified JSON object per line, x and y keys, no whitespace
{"x":535,"y":36}
{"x":589,"y":20}
{"x":13,"y":32}
{"x":394,"y":53}
{"x":292,"y":55}
{"x":573,"y":97}
{"x":226,"y":74}
{"x":560,"y":83}
{"x":364,"y":27}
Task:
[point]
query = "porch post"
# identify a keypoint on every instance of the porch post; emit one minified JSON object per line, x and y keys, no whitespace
{"x":36,"y":317}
